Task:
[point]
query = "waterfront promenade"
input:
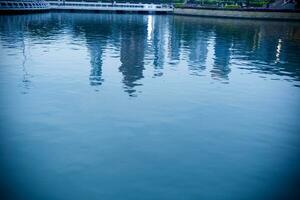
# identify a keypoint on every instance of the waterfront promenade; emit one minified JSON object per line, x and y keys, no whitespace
{"x":269,"y":14}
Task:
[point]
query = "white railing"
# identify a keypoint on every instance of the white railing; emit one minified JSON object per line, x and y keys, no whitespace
{"x":110,"y":6}
{"x":38,"y":5}
{"x":24,"y":5}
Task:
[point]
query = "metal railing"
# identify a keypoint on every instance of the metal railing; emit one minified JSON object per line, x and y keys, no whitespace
{"x":24,"y":5}
{"x":110,"y":6}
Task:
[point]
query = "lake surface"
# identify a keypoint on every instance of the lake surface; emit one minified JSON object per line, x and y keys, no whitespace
{"x":138,"y":107}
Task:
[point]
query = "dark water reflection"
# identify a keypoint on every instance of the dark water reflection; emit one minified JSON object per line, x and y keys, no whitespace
{"x":120,"y":106}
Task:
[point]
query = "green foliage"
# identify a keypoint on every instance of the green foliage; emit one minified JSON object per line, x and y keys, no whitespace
{"x":178,"y":5}
{"x":258,"y":3}
{"x":210,"y":2}
{"x":232,"y":6}
{"x":177,"y":1}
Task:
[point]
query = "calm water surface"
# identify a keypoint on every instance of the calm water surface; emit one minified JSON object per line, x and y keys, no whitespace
{"x":119,"y":106}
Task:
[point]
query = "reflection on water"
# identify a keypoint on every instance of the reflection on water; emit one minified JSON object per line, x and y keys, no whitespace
{"x":133,"y":34}
{"x":26,"y":81}
{"x":259,"y":47}
{"x":124,"y":106}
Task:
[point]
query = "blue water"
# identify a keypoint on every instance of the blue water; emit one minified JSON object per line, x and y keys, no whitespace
{"x":158,"y":107}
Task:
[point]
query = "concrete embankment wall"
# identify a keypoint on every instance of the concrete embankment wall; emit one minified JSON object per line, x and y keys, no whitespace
{"x":247,"y":14}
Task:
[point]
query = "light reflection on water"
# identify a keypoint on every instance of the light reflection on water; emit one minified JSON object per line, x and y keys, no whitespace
{"x":110,"y":106}
{"x":209,"y":46}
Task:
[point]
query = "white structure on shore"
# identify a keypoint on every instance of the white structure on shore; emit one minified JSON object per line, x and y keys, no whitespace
{"x":24,"y":5}
{"x":34,"y":5}
{"x":134,"y":7}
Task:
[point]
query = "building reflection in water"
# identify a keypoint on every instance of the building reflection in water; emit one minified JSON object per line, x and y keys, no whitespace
{"x":144,"y":41}
{"x":194,"y":37}
{"x":175,"y":42}
{"x":223,"y":43}
{"x":198,"y":55}
{"x":159,"y":44}
{"x":96,"y":66}
{"x":132,"y":52}
{"x":96,"y":33}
